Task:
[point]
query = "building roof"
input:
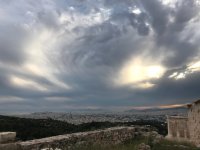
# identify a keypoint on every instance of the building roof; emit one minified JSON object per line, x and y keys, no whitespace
{"x":197,"y":102}
{"x":189,"y":105}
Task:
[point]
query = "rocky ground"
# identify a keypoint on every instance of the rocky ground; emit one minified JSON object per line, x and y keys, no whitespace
{"x":146,"y":140}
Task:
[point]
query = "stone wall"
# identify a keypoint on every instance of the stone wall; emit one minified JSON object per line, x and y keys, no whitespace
{"x":70,"y":141}
{"x":178,"y":128}
{"x":194,"y":122}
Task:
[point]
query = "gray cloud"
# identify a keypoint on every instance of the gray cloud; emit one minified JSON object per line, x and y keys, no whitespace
{"x":169,"y":32}
{"x":78,"y":47}
{"x":11,"y":44}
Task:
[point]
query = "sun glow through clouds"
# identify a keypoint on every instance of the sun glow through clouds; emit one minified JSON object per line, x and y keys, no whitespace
{"x":138,"y":72}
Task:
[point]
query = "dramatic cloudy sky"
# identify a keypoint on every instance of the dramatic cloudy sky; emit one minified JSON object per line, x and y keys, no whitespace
{"x":58,"y":55}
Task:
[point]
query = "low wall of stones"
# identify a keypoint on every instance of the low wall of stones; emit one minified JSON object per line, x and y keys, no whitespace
{"x":71,"y":141}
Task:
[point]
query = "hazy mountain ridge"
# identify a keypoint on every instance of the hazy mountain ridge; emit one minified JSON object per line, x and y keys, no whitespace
{"x":161,"y":111}
{"x":182,"y":108}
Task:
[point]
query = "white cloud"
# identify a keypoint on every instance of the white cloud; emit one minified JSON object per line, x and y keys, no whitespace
{"x":195,"y":66}
{"x":27,"y":83}
{"x":191,"y":68}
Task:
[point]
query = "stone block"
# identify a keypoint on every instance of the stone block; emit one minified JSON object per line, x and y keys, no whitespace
{"x":6,"y":137}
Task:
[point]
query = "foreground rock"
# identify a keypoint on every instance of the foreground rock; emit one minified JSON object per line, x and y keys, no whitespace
{"x":143,"y":146}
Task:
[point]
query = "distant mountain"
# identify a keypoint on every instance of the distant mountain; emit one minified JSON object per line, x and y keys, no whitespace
{"x":161,"y":111}
{"x":167,"y":109}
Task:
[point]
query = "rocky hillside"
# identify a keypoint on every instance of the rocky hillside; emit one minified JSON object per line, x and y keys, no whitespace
{"x":28,"y":129}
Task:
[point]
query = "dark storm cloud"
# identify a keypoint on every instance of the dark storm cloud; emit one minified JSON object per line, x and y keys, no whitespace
{"x":87,"y":50}
{"x":169,"y":32}
{"x":121,"y":13}
{"x":167,"y":37}
{"x":109,"y":43}
{"x":104,"y":37}
{"x":174,"y":91}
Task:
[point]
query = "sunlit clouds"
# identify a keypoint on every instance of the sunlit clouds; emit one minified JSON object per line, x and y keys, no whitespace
{"x":139,"y":71}
{"x":195,"y":66}
{"x":191,"y":68}
{"x":26,"y":83}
